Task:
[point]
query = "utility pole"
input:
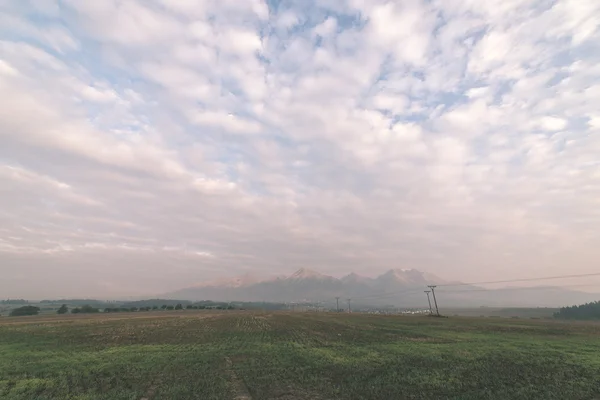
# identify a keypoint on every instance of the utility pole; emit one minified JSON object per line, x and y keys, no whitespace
{"x":349,"y":309}
{"x":432,"y":287}
{"x":429,"y":301}
{"x":337,"y":304}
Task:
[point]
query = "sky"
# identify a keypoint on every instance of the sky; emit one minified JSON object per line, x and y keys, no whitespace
{"x":151,"y":145}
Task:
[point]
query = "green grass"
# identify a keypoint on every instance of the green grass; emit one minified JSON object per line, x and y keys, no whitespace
{"x":297,"y":356}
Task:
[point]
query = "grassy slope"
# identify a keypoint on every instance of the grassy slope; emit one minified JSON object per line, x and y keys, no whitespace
{"x":297,"y":356}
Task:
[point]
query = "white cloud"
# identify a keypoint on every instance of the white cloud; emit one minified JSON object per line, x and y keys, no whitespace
{"x":227,"y":121}
{"x":128,"y":23}
{"x":403,"y":28}
{"x":327,"y":27}
{"x":553,"y":123}
{"x":594,"y":122}
{"x":287,"y":20}
{"x":477,"y":92}
{"x":7,"y":69}
{"x":94,"y":94}
{"x":54,"y":36}
{"x":393,"y":103}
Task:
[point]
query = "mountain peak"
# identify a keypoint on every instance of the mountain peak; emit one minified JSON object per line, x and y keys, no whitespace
{"x":405,"y":270}
{"x":410,"y":276}
{"x":354,"y":278}
{"x":243,"y":280}
{"x":305,"y":273}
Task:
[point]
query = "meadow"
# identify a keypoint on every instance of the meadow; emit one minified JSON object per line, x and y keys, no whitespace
{"x":292,"y":356}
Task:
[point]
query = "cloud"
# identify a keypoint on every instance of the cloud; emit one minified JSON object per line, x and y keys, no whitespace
{"x":164,"y":142}
{"x":553,"y":123}
{"x":224,"y":120}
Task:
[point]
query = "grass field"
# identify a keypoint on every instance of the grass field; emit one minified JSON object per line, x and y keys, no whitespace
{"x":292,"y":356}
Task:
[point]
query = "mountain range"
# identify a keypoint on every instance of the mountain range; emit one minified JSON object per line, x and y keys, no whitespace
{"x":398,"y":287}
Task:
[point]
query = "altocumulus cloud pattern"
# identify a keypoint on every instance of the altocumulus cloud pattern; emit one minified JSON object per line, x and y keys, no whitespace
{"x":147,"y":145}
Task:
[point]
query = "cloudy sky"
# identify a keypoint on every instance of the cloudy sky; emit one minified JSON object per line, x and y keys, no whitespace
{"x":149,"y":145}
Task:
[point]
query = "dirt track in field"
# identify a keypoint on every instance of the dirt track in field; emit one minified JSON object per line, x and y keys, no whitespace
{"x":240,"y":389}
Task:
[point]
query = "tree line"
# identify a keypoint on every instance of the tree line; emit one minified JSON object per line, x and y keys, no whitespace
{"x":89,"y":309}
{"x":14,"y":301}
{"x":583,"y":311}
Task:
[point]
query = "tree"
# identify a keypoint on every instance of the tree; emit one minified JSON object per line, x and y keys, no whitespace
{"x":63,"y":309}
{"x":87,"y":309}
{"x":25,"y":310}
{"x":155,"y":308}
{"x":179,"y":306}
{"x":164,"y":306}
{"x":189,"y":307}
{"x":170,"y":308}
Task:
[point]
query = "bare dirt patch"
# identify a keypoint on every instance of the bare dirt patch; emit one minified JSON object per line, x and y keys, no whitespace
{"x":150,"y":393}
{"x":294,"y":393}
{"x":239,"y":388}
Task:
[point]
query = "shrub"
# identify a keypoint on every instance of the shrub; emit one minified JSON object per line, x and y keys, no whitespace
{"x":25,"y":310}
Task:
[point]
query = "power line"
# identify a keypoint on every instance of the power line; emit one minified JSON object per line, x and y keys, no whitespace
{"x":441,"y":286}
{"x":521,"y":280}
{"x":413,"y":290}
{"x":519,"y":288}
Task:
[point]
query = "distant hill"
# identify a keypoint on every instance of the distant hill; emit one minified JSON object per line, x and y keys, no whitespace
{"x":400,"y":287}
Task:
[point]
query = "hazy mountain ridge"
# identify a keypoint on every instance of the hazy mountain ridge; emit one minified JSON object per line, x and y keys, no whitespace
{"x":308,"y":285}
{"x":401,"y":287}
